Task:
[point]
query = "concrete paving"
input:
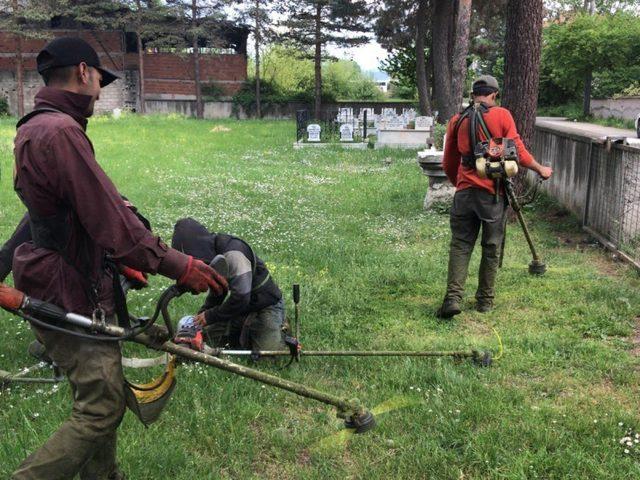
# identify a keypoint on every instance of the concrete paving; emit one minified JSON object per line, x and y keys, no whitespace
{"x":597,"y":132}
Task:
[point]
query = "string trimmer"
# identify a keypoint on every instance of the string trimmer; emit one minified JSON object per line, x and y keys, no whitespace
{"x":481,"y":358}
{"x":46,"y":315}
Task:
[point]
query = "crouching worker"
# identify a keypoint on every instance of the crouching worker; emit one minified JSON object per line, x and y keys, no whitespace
{"x":252,"y":316}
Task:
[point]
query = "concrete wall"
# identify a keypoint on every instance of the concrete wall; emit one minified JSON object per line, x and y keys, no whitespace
{"x":624,"y":107}
{"x":598,"y":182}
{"x":186,"y":107}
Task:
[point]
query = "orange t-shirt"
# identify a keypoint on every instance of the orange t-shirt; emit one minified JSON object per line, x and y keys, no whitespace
{"x":500,"y":124}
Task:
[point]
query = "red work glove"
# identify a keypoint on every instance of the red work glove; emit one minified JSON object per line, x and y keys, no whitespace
{"x":136,"y":278}
{"x":200,"y":277}
{"x":10,"y":297}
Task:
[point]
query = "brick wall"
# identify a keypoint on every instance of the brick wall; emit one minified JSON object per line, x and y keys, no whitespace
{"x":172,"y":76}
{"x":167,"y":76}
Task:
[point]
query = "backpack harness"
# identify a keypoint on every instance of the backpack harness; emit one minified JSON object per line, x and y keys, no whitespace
{"x":492,"y":157}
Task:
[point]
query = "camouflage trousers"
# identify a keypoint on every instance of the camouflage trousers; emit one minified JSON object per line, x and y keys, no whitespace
{"x":474,"y":210}
{"x":85,"y":444}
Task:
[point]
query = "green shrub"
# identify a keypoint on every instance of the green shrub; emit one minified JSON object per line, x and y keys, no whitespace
{"x":270,"y":97}
{"x":439,"y":131}
{"x":4,"y":106}
{"x":213,"y":92}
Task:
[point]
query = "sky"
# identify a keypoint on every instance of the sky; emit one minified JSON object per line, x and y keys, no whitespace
{"x":368,"y":56}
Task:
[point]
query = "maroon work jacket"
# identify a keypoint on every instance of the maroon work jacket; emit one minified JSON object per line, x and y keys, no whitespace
{"x":56,"y":171}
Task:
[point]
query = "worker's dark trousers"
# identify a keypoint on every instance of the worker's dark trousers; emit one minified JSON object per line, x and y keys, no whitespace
{"x":261,"y":330}
{"x":86,"y":443}
{"x":473,"y":209}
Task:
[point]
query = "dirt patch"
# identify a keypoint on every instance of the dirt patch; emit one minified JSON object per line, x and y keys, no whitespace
{"x":304,"y":458}
{"x":635,"y":339}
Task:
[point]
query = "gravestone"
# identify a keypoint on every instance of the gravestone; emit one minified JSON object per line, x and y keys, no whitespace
{"x":409,"y":114}
{"x":396,"y":123}
{"x":314,"y":132}
{"x":424,"y":123}
{"x":370,"y":114}
{"x":346,"y":132}
{"x":345,"y":115}
{"x":389,"y":112}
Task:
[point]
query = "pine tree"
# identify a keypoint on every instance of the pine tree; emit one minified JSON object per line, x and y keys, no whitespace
{"x":313,"y":24}
{"x":450,"y":31}
{"x":196,"y":22}
{"x":403,"y":28}
{"x":148,"y":19}
{"x":23,"y":19}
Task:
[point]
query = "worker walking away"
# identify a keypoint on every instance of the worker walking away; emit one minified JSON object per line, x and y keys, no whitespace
{"x":479,"y":202}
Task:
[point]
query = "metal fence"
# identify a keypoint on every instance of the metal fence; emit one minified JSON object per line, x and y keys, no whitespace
{"x":599,"y":182}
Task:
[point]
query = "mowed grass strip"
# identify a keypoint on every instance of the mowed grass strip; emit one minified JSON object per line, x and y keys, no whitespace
{"x":349,"y":227}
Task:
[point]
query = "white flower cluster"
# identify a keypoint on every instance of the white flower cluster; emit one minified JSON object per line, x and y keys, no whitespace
{"x":630,"y":442}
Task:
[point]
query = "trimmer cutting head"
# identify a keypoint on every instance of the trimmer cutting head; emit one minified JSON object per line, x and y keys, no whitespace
{"x":536,"y":267}
{"x":362,"y":423}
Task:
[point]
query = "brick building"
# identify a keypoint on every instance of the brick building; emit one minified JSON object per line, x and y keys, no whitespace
{"x":168,"y":76}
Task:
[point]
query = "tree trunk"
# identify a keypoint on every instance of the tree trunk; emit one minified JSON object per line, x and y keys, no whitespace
{"x":421,"y":68}
{"x":459,"y":57}
{"x":441,"y":32}
{"x":318,"y":62}
{"x":586,"y":100}
{"x":257,"y":38}
{"x":523,"y":42}
{"x":196,"y":61}
{"x":19,"y":67}
{"x":19,"y":76}
{"x":143,"y":107}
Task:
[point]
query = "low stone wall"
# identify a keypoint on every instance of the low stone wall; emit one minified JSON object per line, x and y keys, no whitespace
{"x":187,"y":107}
{"x":624,"y":107}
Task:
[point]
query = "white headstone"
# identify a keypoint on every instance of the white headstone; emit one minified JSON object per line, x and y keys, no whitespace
{"x":117,"y":113}
{"x":424,"y":123}
{"x":346,"y":132}
{"x":314,"y":132}
{"x":345,"y":115}
{"x":396,"y":123}
{"x":409,"y":114}
{"x":388,"y":112}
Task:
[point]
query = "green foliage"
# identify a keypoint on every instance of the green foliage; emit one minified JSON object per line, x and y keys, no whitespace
{"x":344,"y":80}
{"x":606,"y":45}
{"x":400,"y":65}
{"x":439,"y":131}
{"x":4,"y":106}
{"x":291,"y":76}
{"x":271,"y":96}
{"x":212,"y":91}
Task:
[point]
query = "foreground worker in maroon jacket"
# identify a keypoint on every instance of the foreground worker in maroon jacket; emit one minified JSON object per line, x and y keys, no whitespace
{"x":476,"y":203}
{"x":80,"y":225}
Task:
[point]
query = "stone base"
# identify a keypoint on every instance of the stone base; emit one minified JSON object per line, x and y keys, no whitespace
{"x":354,"y":145}
{"x":405,"y":138}
{"x":438,"y":192}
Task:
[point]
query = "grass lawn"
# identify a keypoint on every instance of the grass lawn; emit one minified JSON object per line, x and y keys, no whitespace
{"x":349,"y":227}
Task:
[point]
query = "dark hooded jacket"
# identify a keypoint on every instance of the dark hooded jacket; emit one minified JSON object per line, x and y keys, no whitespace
{"x":59,"y":180}
{"x":251,"y":287}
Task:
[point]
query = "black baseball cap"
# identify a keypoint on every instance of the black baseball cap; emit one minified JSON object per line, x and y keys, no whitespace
{"x":67,"y":51}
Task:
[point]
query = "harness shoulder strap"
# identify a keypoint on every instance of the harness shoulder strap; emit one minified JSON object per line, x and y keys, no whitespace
{"x":34,"y":113}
